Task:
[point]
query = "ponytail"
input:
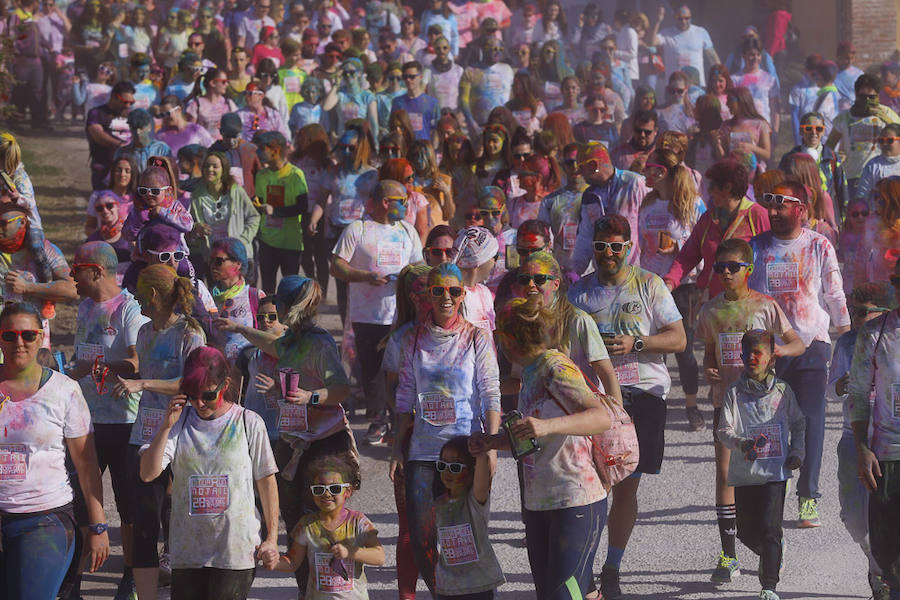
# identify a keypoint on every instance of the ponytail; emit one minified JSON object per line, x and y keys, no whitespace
{"x":684,"y":195}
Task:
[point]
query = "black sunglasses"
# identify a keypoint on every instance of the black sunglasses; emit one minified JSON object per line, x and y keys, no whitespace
{"x":732,"y":266}
{"x":438,"y":291}
{"x":539,"y":279}
{"x":440,"y":252}
{"x":525,"y":252}
{"x":218,"y":261}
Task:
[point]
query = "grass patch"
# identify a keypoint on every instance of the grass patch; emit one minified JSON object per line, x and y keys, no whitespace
{"x":37,"y":168}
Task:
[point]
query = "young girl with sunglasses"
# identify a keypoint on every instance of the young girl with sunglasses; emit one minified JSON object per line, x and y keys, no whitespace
{"x":467,"y":568}
{"x":335,"y":542}
{"x":235,"y":298}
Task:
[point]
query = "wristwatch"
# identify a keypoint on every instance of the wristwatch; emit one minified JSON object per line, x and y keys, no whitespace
{"x":638,"y":344}
{"x":314,"y":399}
{"x":98,"y":528}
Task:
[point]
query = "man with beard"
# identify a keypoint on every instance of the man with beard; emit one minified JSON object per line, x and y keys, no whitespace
{"x":640,"y":324}
{"x":633,"y":154}
{"x":486,"y":86}
{"x":799,"y":269}
{"x":445,"y":76}
{"x":610,"y":191}
{"x":142,"y":145}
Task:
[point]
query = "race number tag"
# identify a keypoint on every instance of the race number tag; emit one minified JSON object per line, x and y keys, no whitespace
{"x":89,"y":352}
{"x":626,"y":367}
{"x":350,"y":210}
{"x":569,"y":234}
{"x":327,"y":580}
{"x":292,"y":85}
{"x":772,"y":448}
{"x":292,"y":418}
{"x":730,"y":349}
{"x":13,"y":462}
{"x":275,"y":195}
{"x":209,"y":494}
{"x":151,"y":419}
{"x":417,"y":122}
{"x":783,"y":277}
{"x":895,"y":399}
{"x":458,"y":544}
{"x":390,"y":254}
{"x":437,"y":409}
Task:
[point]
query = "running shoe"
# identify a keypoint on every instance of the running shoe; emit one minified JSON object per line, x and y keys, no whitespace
{"x":165,"y":570}
{"x":609,"y":583}
{"x":809,"y":513}
{"x":768,"y":595}
{"x":726,"y":569}
{"x":879,"y":590}
{"x":376,"y":434}
{"x":695,"y":418}
{"x":126,"y":589}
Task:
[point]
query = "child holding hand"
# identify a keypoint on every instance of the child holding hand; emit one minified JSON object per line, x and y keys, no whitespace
{"x":334,"y":541}
{"x":762,"y":423}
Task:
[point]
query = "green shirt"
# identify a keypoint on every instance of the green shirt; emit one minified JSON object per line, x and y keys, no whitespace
{"x":291,"y":80}
{"x":280,"y":189}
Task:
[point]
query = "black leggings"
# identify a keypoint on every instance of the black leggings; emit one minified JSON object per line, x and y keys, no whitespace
{"x":148,"y":512}
{"x":688,"y":299}
{"x":209,"y":583}
{"x":271,"y":259}
{"x":316,"y":257}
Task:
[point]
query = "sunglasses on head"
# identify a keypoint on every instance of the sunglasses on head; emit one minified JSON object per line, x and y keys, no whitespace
{"x":335,"y":489}
{"x":770,"y":199}
{"x":440,"y":252}
{"x":152,"y":191}
{"x":540,"y":279}
{"x":164,"y":257}
{"x":218,"y":261}
{"x":271,"y":317}
{"x":731,"y":266}
{"x":616,"y":247}
{"x":490,"y":213}
{"x":27,"y":335}
{"x":812,"y":128}
{"x":455,"y":468}
{"x":438,"y":291}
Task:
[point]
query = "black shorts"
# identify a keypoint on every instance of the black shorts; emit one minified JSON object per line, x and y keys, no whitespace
{"x":649,"y":415}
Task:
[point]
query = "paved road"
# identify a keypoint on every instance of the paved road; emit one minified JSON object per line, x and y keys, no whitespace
{"x":672,"y":550}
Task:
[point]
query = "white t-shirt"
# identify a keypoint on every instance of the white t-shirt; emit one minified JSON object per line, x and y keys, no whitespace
{"x":33,"y":474}
{"x":106,"y":330}
{"x":685,"y":49}
{"x":371,"y":246}
{"x":655,"y":222}
{"x":479,"y":307}
{"x":639,"y":306}
{"x":214,"y":465}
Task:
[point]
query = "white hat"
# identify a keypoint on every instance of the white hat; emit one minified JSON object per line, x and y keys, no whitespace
{"x":476,"y":246}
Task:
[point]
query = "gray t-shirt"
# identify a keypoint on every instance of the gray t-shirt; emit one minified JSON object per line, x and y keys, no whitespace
{"x":467,"y":563}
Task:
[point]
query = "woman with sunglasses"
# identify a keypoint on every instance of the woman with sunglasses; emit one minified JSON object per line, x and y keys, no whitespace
{"x":448,"y":384}
{"x":234,"y":298}
{"x":267,"y":48}
{"x":312,"y":422}
{"x":44,"y":415}
{"x":812,"y":137}
{"x":220,"y":209}
{"x":883,"y":166}
{"x":162,"y":346}
{"x":218,"y":453}
{"x":564,"y":509}
{"x":351,"y":100}
{"x":677,"y":114}
{"x":110,"y":223}
{"x":259,"y":114}
{"x":270,"y":83}
{"x":206,"y":109}
{"x":122,"y":189}
{"x":260,"y":370}
{"x":438,"y":248}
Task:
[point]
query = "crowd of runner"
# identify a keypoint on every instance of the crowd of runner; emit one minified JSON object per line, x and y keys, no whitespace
{"x":524,"y":209}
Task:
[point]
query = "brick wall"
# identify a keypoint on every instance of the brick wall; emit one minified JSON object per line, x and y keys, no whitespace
{"x":872,"y":26}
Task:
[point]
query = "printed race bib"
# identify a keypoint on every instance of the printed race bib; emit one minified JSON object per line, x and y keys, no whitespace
{"x":773,"y":448}
{"x":390,"y":254}
{"x":292,"y":85}
{"x":327,"y":580}
{"x":417,"y":122}
{"x":209,"y":494}
{"x":569,"y":234}
{"x":89,"y":352}
{"x":783,"y":277}
{"x":292,"y":418}
{"x":895,"y":399}
{"x":349,"y":111}
{"x":275,"y":195}
{"x":151,"y":419}
{"x":458,"y":544}
{"x":437,"y":409}
{"x":13,"y":462}
{"x":730,"y":349}
{"x":350,"y":210}
{"x":626,"y":368}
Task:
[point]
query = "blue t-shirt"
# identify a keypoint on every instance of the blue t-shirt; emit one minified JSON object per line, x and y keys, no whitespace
{"x":424,"y":112}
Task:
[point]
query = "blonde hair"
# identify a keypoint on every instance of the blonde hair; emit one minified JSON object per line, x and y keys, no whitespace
{"x":10,"y":152}
{"x":684,"y":192}
{"x":527,"y":322}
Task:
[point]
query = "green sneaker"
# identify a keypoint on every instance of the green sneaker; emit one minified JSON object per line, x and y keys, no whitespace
{"x":809,"y":513}
{"x":726,"y":569}
{"x":768,"y":595}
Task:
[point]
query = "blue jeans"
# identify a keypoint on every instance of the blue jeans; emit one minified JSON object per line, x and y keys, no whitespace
{"x":807,"y":375}
{"x":422,"y":486}
{"x":36,"y":554}
{"x":562,"y":544}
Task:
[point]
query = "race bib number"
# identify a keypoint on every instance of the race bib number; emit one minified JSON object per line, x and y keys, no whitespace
{"x":626,"y":367}
{"x":327,"y":579}
{"x":390,"y":254}
{"x":458,"y":544}
{"x":350,"y":111}
{"x":13,"y":462}
{"x":569,"y":234}
{"x":123,"y":50}
{"x":730,"y":349}
{"x":350,"y":210}
{"x":151,"y":419}
{"x":437,"y":409}
{"x":895,"y":399}
{"x":772,"y":447}
{"x":783,"y":277}
{"x":292,"y":418}
{"x":292,"y":85}
{"x":417,"y":122}
{"x":89,"y":352}
{"x":275,"y":195}
{"x":209,"y":494}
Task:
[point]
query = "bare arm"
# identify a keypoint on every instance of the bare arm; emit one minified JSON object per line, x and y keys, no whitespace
{"x":607,"y":374}
{"x":793,"y":345}
{"x":261,"y":339}
{"x":341,"y":269}
{"x":268,"y":497}
{"x":97,"y":135}
{"x":84,"y":457}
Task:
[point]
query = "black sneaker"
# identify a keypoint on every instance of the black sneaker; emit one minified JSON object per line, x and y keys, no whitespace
{"x":609,"y":583}
{"x":695,"y":418}
{"x":376,"y":434}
